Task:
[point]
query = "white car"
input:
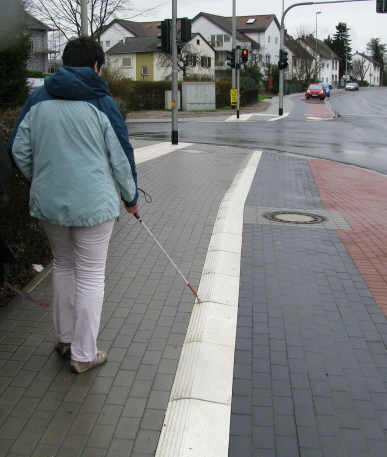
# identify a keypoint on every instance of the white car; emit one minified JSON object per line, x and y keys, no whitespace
{"x":352,"y":86}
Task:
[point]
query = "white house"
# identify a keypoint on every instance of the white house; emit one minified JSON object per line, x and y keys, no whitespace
{"x":140,"y":59}
{"x":299,"y":59}
{"x":326,"y":62}
{"x":260,"y":34}
{"x":120,"y":29}
{"x":365,"y":68}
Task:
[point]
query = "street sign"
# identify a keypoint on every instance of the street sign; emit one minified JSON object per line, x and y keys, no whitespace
{"x":234,"y":96}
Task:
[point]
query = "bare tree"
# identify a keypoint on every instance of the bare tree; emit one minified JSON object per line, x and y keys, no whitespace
{"x":65,"y":15}
{"x":360,"y":68}
{"x":188,"y":58}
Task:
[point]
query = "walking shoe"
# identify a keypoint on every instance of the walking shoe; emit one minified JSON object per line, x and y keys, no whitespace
{"x":80,"y":367}
{"x":64,"y":349}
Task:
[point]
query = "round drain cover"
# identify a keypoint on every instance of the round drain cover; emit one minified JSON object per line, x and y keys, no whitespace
{"x":294,"y":217}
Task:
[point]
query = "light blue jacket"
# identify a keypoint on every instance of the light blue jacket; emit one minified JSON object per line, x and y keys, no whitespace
{"x":71,"y":143}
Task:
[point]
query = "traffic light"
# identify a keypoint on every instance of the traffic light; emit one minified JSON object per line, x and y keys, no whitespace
{"x":185,"y":29}
{"x":381,"y":6}
{"x":165,"y":36}
{"x":283,"y":62}
{"x":245,"y":55}
{"x":231,"y":58}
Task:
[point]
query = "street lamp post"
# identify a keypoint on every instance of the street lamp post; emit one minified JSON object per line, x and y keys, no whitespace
{"x":346,"y":58}
{"x":315,"y":75}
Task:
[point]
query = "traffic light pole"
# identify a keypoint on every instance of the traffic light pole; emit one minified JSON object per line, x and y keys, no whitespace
{"x":238,"y":70}
{"x":175,"y":76}
{"x":233,"y":41}
{"x":282,"y":43}
{"x":84,"y":24}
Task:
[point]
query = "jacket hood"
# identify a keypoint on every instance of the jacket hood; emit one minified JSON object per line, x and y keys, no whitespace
{"x":76,"y":83}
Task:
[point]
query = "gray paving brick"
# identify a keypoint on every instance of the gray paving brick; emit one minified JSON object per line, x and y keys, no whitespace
{"x":146,"y":442}
{"x":310,"y":342}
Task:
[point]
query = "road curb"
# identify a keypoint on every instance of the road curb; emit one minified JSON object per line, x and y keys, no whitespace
{"x":335,"y":114}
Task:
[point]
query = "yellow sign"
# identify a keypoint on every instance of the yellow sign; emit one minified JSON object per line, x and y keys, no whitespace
{"x":234,"y":96}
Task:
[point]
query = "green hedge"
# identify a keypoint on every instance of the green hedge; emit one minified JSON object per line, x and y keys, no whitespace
{"x":35,"y":74}
{"x":150,"y":95}
{"x":22,"y":232}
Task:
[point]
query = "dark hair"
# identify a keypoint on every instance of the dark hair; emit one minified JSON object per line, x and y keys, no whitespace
{"x":83,"y":52}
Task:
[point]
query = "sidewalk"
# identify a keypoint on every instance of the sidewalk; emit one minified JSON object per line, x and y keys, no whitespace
{"x":301,"y":307}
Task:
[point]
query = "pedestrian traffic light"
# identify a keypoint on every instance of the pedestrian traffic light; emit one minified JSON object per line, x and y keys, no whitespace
{"x":381,"y":6}
{"x":165,"y":36}
{"x":245,"y":55}
{"x":185,"y":29}
{"x":283,"y":62}
{"x":231,"y":58}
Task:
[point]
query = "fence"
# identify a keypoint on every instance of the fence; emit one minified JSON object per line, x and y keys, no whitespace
{"x":139,"y":96}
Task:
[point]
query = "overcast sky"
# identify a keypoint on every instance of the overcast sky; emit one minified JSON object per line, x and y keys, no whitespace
{"x":360,"y":16}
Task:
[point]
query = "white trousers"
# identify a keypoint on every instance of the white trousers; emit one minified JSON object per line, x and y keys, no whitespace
{"x":78,"y":282}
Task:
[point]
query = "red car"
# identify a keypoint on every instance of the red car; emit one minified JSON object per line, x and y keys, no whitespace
{"x":315,"y":91}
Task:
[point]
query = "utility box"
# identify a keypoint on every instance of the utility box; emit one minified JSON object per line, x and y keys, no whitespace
{"x":198,"y":96}
{"x":168,"y":100}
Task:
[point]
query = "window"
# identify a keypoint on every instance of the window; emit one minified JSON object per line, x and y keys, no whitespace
{"x":259,"y":57}
{"x":322,"y":65}
{"x":205,"y":62}
{"x":144,"y":71}
{"x":326,"y":79}
{"x":267,"y":58}
{"x":276,"y":40}
{"x":218,"y":40}
{"x":268,"y":39}
{"x":251,"y":20}
{"x":107,"y":44}
{"x":191,"y":61}
{"x":198,"y":42}
{"x":127,"y":62}
{"x":327,"y":66}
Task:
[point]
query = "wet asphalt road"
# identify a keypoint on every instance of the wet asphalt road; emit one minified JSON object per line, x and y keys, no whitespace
{"x":356,"y":136}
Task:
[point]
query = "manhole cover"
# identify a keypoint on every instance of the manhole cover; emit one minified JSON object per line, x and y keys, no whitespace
{"x":294,"y":217}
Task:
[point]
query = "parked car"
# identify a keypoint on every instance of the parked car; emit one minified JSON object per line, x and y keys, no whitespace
{"x":327,"y":88}
{"x":352,"y":86}
{"x":315,"y":91}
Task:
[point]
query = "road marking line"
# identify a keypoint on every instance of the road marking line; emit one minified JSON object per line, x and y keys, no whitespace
{"x":156,"y":150}
{"x":363,"y":115}
{"x":242,"y":117}
{"x":313,"y":118}
{"x":197,"y":421}
{"x":279,"y":117}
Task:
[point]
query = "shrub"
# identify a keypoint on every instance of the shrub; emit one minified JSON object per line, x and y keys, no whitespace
{"x":22,"y":232}
{"x":14,"y":89}
{"x":35,"y":74}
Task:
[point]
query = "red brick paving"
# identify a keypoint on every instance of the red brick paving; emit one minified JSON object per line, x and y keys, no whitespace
{"x":361,"y":196}
{"x":319,"y":110}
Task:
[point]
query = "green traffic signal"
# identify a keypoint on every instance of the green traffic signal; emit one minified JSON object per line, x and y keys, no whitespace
{"x":185,"y":29}
{"x":283,"y":61}
{"x":165,"y":36}
{"x":231,"y":58}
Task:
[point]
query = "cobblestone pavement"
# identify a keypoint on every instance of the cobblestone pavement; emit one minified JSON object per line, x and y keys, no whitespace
{"x":310,"y":370}
{"x":310,"y":363}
